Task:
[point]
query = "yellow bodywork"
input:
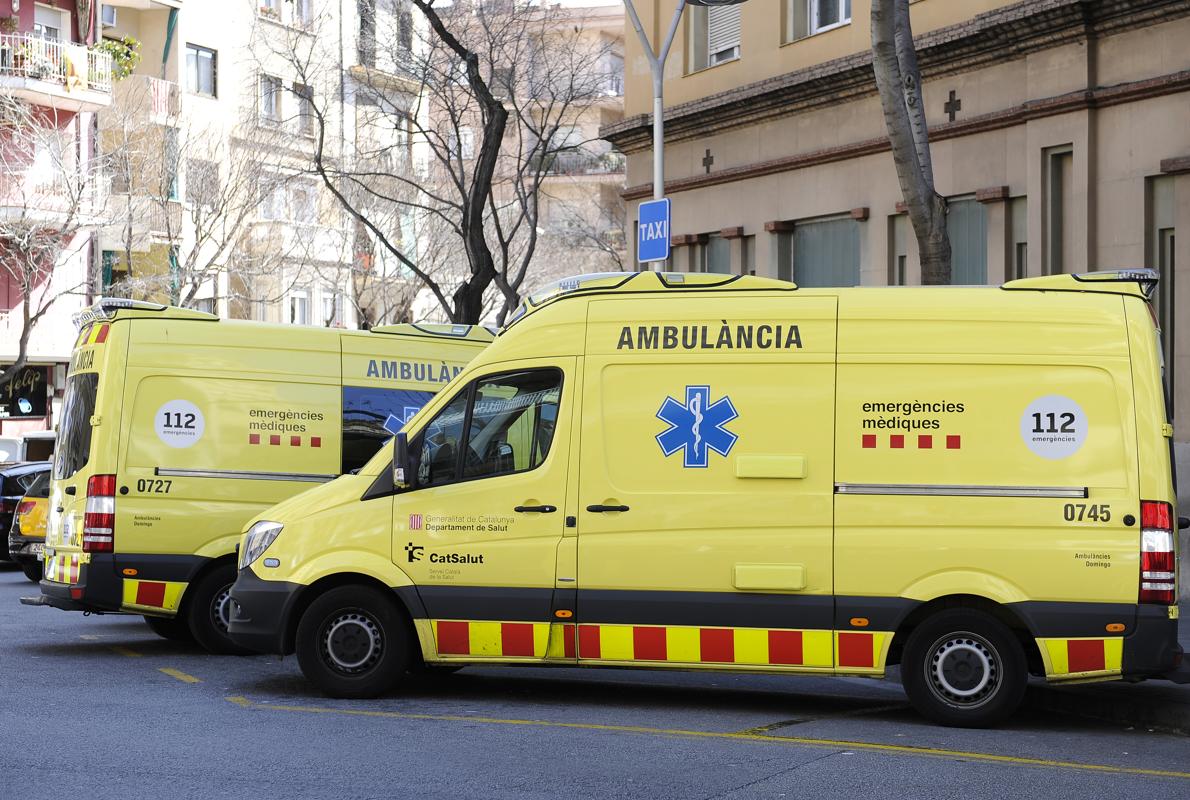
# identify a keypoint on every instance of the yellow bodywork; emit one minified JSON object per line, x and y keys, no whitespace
{"x":205,"y":422}
{"x":883,"y":449}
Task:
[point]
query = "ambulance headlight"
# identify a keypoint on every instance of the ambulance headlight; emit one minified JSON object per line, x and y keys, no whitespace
{"x":260,"y":536}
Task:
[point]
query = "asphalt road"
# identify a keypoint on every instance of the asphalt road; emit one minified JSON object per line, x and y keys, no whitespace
{"x":99,"y":707}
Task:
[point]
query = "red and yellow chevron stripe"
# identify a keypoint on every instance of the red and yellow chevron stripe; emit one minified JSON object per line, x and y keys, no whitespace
{"x":1081,"y":658}
{"x":64,"y":567}
{"x":93,"y":334}
{"x":859,"y":652}
{"x":160,"y":595}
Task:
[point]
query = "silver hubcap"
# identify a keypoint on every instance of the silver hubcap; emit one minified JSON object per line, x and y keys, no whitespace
{"x":963,"y":669}
{"x":221,"y":608}
{"x":352,"y":642}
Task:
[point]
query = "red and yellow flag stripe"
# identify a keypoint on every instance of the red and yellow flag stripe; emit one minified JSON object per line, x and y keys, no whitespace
{"x":848,"y":651}
{"x":95,"y":333}
{"x":1067,"y":659}
{"x":64,"y":567}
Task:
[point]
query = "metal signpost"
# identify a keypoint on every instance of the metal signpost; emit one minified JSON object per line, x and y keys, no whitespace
{"x":657,"y":66}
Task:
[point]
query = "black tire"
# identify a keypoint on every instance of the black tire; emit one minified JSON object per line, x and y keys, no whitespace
{"x":208,"y":608}
{"x":176,"y":629}
{"x":964,"y":668}
{"x":33,"y":571}
{"x":354,"y":642}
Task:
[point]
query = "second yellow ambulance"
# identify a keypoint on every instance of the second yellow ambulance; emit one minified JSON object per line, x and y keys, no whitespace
{"x":177,"y":427}
{"x":693,"y":471}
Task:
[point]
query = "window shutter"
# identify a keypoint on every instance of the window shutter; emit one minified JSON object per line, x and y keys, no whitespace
{"x":723,"y":29}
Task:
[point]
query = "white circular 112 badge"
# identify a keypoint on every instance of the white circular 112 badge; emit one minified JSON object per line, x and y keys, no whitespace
{"x":179,"y":423}
{"x":1054,"y":427}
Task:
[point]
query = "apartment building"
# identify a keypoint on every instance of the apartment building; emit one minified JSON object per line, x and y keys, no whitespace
{"x":53,"y":81}
{"x":1059,"y":134}
{"x":217,"y":130}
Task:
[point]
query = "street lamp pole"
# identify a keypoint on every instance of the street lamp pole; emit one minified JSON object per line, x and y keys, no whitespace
{"x":657,"y":66}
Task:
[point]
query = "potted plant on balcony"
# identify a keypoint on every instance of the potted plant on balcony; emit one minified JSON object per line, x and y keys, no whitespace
{"x":125,"y":53}
{"x":270,"y":12}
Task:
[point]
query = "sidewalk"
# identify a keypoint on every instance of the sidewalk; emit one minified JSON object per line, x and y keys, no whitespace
{"x":1153,"y":704}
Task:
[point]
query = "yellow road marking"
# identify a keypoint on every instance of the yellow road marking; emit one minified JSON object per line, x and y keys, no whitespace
{"x":124,"y":651}
{"x":177,"y":673}
{"x":908,"y":750}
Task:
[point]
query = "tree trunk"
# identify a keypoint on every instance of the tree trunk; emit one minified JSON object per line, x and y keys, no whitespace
{"x":898,"y":80}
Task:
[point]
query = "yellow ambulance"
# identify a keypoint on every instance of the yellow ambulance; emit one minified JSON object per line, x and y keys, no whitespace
{"x":731,"y":473}
{"x":177,"y":427}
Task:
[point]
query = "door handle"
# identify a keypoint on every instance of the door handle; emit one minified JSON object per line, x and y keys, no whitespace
{"x":600,"y":509}
{"x":70,"y":489}
{"x":535,"y":509}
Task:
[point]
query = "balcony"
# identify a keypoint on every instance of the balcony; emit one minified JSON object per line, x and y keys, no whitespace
{"x":579,"y":163}
{"x":142,"y":98}
{"x":48,"y":72}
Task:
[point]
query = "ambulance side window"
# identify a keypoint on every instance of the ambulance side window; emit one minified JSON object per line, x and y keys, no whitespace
{"x":437,"y":446}
{"x":512,"y":423}
{"x":495,"y":426}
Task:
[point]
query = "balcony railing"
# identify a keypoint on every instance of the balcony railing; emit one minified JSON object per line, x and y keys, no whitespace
{"x":71,"y":65}
{"x":578,"y":162}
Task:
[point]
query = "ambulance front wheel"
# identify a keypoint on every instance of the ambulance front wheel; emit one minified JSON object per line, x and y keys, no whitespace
{"x":353,"y":642}
{"x":964,"y":668}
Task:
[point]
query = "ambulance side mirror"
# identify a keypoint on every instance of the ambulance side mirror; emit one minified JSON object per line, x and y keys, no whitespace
{"x":402,"y":474}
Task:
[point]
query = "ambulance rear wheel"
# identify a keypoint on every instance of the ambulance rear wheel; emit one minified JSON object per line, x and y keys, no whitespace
{"x":964,"y":668}
{"x":176,"y":629}
{"x":208,"y":610}
{"x":353,"y":642}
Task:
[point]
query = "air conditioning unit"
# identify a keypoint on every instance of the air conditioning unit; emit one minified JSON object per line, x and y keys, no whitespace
{"x":107,"y":16}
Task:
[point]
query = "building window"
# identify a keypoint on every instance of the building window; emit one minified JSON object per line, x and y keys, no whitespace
{"x":303,"y":201}
{"x":966,"y":224}
{"x":462,"y":143}
{"x":270,"y":99}
{"x":1160,"y":238}
{"x":808,"y":17}
{"x":332,"y":308}
{"x":272,"y":202}
{"x":717,"y":255}
{"x":49,"y":23}
{"x":898,"y":249}
{"x":305,"y":109}
{"x":202,"y":182}
{"x":299,"y":307}
{"x":201,"y":70}
{"x":303,"y":12}
{"x":366,"y":45}
{"x":1018,"y":220}
{"x":714,"y":33}
{"x":824,"y":253}
{"x":1058,"y":223}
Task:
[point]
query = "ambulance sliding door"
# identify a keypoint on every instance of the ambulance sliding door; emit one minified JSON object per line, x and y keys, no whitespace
{"x":706,"y":479}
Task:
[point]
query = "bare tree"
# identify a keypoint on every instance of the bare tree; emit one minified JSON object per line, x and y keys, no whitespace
{"x":52,"y":200}
{"x":458,"y":126}
{"x":898,"y":80}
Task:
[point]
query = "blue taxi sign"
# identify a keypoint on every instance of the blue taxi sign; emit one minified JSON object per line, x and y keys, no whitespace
{"x":652,"y":240}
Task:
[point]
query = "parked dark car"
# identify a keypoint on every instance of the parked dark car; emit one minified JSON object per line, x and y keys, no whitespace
{"x":15,"y":481}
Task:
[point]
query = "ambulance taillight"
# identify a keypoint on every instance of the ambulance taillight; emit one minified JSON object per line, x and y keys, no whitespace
{"x":1156,"y":554}
{"x":99,"y":518}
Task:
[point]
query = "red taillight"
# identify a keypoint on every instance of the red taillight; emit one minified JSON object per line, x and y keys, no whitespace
{"x":1158,"y":573}
{"x":25,"y":507}
{"x":7,"y":506}
{"x":99,"y":518}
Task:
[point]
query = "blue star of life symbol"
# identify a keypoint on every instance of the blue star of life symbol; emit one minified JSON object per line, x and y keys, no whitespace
{"x":394,"y":423}
{"x":697,"y":426}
